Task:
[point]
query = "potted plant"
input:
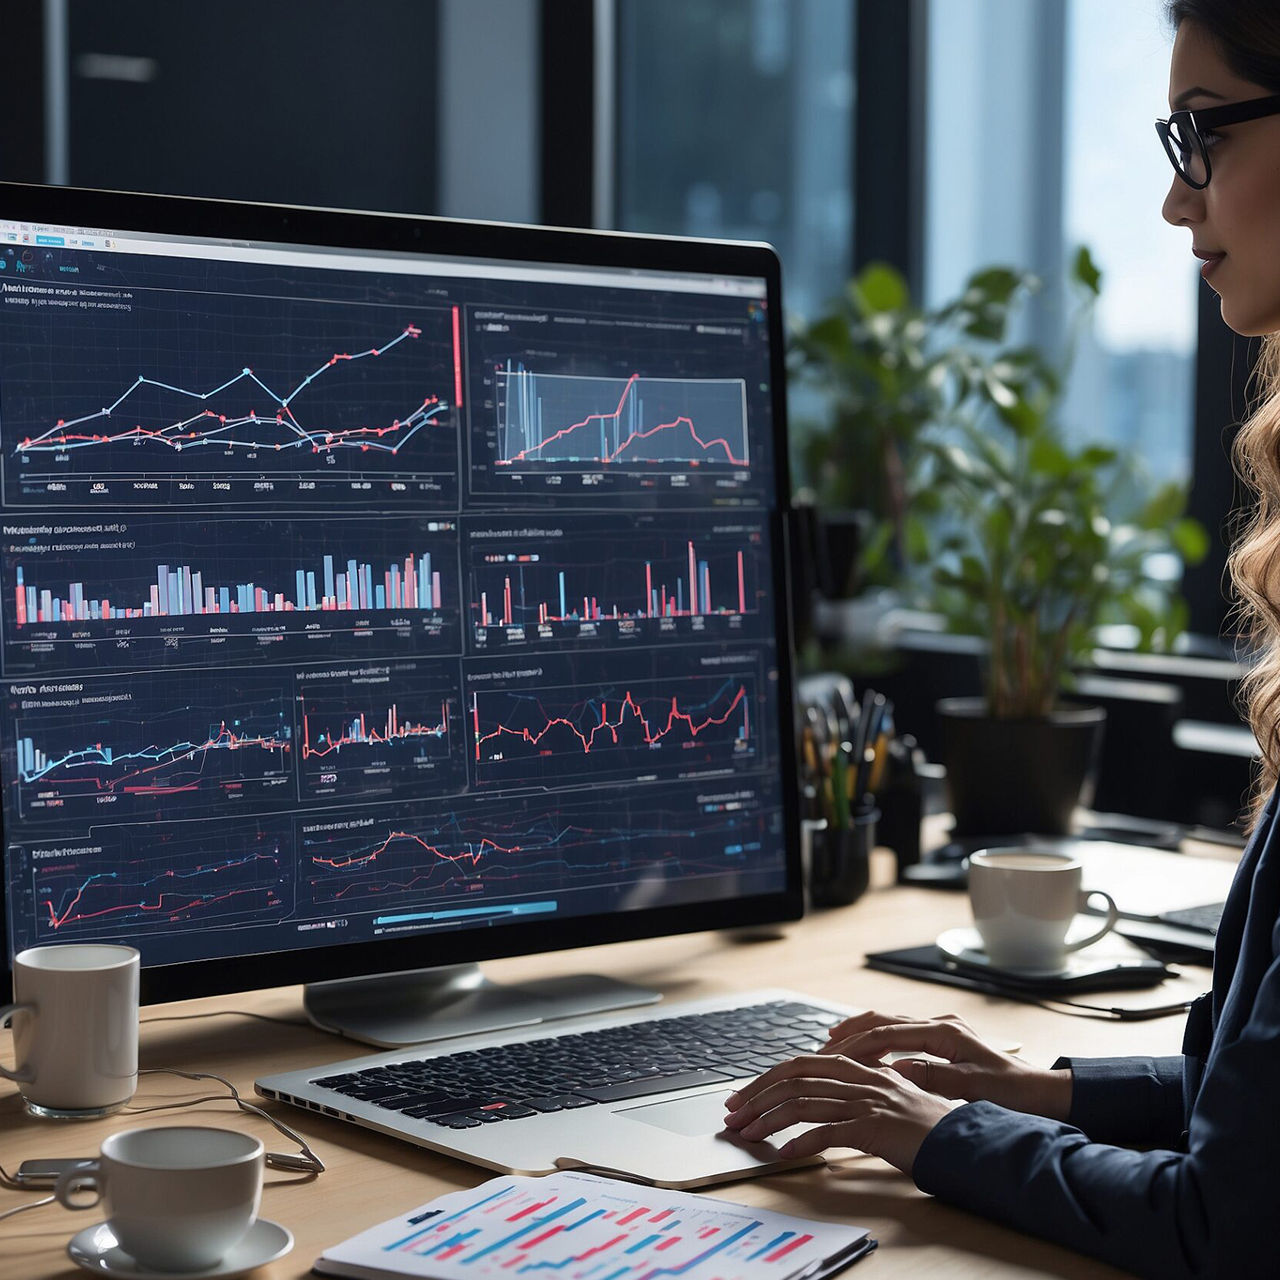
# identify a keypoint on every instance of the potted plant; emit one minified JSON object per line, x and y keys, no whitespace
{"x":883,"y":371}
{"x":1034,"y":545}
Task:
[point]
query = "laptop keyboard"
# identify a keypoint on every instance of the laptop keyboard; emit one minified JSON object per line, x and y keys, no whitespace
{"x":561,"y":1073}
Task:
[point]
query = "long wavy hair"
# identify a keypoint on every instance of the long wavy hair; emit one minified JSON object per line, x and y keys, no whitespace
{"x":1246,"y":34}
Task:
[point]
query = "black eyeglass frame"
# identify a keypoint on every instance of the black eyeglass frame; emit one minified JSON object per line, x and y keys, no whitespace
{"x":1210,"y":118}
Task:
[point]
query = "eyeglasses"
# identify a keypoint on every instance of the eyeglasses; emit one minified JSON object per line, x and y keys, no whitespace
{"x":1183,"y":135}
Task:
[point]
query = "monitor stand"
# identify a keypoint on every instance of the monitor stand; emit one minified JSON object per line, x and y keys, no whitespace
{"x":421,"y":1005}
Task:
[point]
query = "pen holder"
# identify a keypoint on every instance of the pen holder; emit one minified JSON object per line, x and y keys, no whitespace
{"x":840,"y":861}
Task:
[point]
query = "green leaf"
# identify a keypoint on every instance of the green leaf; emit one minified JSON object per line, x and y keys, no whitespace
{"x":879,"y":288}
{"x":996,"y":284}
{"x":1086,"y":271}
{"x":1049,"y":457}
{"x":1167,"y":504}
{"x":1190,"y":538}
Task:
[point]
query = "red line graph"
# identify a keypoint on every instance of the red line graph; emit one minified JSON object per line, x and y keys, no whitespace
{"x":69,"y":915}
{"x":470,"y":856}
{"x":627,"y":709}
{"x":606,"y":456}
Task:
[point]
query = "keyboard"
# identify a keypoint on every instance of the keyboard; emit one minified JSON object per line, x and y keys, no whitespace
{"x":558,"y":1073}
{"x":1206,"y":918}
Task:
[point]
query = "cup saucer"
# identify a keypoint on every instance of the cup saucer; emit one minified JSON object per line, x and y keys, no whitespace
{"x":964,"y":945}
{"x":95,"y":1249}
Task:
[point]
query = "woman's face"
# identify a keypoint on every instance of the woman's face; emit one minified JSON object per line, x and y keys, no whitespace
{"x":1238,"y":213}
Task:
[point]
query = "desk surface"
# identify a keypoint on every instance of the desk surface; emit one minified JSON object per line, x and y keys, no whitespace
{"x":371,"y":1177}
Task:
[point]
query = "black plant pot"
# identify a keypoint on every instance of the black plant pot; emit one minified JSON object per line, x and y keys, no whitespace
{"x":1009,"y":776}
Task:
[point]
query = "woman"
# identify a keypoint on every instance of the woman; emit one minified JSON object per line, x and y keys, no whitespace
{"x":1033,"y":1147}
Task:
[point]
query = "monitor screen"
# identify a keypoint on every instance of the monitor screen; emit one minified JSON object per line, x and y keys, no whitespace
{"x":356,"y":595}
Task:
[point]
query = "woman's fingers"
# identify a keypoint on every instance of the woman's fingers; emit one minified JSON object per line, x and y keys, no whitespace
{"x":809,"y":1065}
{"x":942,"y":1039}
{"x":843,"y":1133}
{"x":864,"y":1022}
{"x":828,"y":1087}
{"x":807,"y":1110}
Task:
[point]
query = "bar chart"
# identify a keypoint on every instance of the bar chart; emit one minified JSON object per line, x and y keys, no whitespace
{"x":587,"y":1228}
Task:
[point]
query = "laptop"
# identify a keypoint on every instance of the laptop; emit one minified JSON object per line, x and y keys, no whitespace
{"x":639,"y":1096}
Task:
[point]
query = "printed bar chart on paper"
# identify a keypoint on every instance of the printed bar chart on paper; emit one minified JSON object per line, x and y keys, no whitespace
{"x":581,"y":1227}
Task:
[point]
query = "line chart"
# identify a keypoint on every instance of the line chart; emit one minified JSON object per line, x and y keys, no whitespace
{"x":463,"y":853}
{"x":652,"y":724}
{"x":148,"y":747}
{"x":232,"y":398}
{"x":672,"y":423}
{"x":134,"y":882}
{"x":206,"y":428}
{"x":384,"y":730}
{"x":568,"y":406}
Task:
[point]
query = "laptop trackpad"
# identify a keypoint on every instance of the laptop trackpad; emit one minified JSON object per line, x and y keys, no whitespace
{"x":697,"y":1117}
{"x":692,"y":1117}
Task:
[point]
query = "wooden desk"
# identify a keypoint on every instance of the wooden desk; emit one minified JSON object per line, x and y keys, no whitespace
{"x":371,"y":1177}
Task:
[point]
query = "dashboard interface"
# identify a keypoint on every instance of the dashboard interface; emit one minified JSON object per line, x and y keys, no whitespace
{"x":347,"y":595}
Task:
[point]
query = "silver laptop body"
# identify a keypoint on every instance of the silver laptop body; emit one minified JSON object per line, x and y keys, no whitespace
{"x":673,"y":1139}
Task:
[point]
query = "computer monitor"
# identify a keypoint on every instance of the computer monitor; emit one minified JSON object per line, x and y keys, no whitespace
{"x":380,"y":593}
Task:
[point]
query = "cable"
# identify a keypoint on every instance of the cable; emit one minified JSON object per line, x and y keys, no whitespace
{"x":22,"y":1208}
{"x":308,"y":1162}
{"x":234,"y":1013}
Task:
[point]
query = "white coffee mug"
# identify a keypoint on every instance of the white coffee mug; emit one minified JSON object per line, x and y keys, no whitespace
{"x":1024,"y":902}
{"x":177,"y":1198}
{"x":75,"y":1028}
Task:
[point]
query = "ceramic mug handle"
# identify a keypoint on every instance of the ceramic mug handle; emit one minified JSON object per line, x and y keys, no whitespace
{"x":23,"y":1075}
{"x":85,"y":1177}
{"x":1113,"y":914}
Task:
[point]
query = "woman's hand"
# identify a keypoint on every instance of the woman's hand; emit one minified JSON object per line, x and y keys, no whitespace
{"x":973,"y":1071}
{"x":873,"y":1109}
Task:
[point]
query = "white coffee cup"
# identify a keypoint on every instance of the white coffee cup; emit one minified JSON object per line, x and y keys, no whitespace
{"x":178,"y":1198}
{"x":1024,"y":902}
{"x":75,"y":1028}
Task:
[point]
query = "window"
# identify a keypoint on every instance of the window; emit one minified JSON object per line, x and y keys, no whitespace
{"x":734,"y":119}
{"x":1039,"y":139}
{"x":1134,"y":372}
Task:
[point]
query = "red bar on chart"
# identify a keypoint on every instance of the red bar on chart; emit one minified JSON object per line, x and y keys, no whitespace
{"x":541,"y":1204}
{"x":787,"y":1248}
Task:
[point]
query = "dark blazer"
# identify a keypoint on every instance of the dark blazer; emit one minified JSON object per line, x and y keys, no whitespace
{"x":1201,"y":1204}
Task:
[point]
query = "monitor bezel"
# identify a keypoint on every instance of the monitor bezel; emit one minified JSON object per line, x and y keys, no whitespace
{"x":503,"y":242}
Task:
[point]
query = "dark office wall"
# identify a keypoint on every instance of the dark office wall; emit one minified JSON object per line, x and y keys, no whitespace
{"x":22,"y":92}
{"x":323,"y":102}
